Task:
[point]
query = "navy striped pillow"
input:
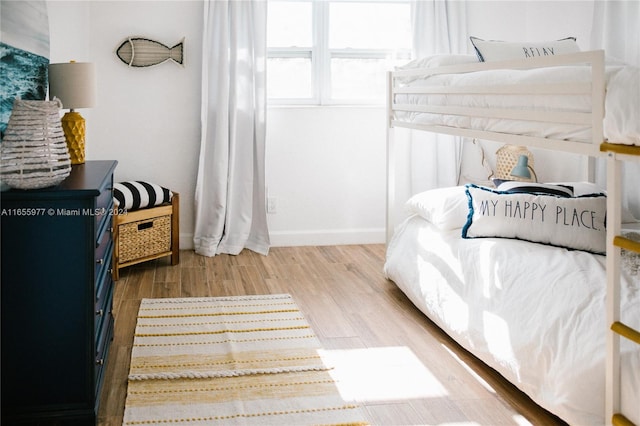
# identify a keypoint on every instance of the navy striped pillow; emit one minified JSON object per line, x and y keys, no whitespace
{"x":134,"y":195}
{"x":514,"y":187}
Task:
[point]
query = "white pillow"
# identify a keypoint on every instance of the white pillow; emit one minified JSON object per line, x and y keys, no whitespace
{"x":574,"y":223}
{"x":494,"y":50}
{"x":446,"y":208}
{"x":434,"y":61}
{"x":584,"y":188}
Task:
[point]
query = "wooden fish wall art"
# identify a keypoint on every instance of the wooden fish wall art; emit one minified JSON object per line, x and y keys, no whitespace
{"x":142,"y":52}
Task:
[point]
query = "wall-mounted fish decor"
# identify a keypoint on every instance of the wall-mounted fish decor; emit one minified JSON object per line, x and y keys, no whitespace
{"x":142,"y":52}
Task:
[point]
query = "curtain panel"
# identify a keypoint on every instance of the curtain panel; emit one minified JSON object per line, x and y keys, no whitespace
{"x":230,"y":205}
{"x":426,"y":160}
{"x":439,"y":27}
{"x":616,"y":29}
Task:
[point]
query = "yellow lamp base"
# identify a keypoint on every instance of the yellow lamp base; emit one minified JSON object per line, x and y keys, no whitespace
{"x":73,"y":126}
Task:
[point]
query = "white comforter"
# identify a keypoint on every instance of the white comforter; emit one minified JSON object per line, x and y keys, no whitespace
{"x":535,"y":313}
{"x":622,"y":102}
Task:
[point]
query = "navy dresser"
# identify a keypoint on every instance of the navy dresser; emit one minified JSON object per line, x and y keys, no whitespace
{"x":56,"y":299}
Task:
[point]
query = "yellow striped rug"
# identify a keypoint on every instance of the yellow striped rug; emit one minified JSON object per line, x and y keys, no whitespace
{"x":245,"y":360}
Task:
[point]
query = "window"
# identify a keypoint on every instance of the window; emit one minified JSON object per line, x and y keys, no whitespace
{"x":334,"y":52}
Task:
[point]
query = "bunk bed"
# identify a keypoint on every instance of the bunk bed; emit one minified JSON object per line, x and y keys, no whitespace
{"x":533,"y":307}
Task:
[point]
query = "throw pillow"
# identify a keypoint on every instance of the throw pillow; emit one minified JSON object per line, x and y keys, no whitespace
{"x":134,"y":195}
{"x":574,"y":223}
{"x":494,"y":50}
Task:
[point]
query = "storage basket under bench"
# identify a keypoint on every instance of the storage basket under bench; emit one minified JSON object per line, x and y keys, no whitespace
{"x":145,"y":224}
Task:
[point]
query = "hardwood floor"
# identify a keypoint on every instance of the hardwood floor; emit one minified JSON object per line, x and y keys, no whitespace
{"x":388,"y":354}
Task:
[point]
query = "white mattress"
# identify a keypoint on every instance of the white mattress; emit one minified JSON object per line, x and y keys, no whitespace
{"x":622,"y":102}
{"x":534,"y":313}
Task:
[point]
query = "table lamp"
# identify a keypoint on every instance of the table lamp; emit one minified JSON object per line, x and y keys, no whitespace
{"x":522,"y":169}
{"x":74,"y":83}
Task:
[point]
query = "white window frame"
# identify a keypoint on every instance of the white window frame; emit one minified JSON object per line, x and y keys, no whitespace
{"x":321,"y":56}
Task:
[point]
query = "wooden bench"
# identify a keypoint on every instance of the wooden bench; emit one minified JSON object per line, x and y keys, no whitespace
{"x":146,"y":234}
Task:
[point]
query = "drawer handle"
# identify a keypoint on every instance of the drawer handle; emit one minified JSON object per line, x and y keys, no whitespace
{"x":100,"y":261}
{"x":100,"y":361}
{"x":100,"y":312}
{"x":145,"y":225}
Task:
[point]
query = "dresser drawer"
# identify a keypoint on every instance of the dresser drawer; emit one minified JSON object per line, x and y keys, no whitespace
{"x":103,"y":303}
{"x":102,"y":332}
{"x":102,"y":350}
{"x":104,"y":282}
{"x":103,"y":221}
{"x":103,"y":253}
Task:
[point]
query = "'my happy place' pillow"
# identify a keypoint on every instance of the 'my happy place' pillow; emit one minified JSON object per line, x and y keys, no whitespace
{"x":574,"y":223}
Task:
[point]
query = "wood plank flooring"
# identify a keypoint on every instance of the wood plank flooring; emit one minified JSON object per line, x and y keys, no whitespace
{"x":387,"y":353}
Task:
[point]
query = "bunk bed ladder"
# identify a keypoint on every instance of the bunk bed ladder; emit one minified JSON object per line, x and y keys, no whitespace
{"x":616,"y":242}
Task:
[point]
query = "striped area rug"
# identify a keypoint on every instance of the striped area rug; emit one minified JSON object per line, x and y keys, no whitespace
{"x":247,"y":360}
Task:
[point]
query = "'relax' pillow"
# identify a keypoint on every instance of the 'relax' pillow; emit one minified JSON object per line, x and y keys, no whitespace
{"x":494,"y":50}
{"x":574,"y":223}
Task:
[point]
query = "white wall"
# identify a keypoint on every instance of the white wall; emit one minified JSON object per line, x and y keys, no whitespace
{"x":325,"y":165}
{"x":531,"y":21}
{"x":69,"y":31}
{"x":326,"y":171}
{"x":146,"y":118}
{"x":149,"y":118}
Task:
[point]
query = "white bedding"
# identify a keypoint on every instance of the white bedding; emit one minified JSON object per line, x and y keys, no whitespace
{"x":622,"y":101}
{"x":534,"y":313}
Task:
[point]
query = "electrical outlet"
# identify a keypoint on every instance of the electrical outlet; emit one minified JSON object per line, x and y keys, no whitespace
{"x":272,"y":205}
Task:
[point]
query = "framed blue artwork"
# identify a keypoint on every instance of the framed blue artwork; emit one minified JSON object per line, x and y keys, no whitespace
{"x":24,"y":53}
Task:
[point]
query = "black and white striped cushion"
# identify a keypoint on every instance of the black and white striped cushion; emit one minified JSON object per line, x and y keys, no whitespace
{"x":134,"y":195}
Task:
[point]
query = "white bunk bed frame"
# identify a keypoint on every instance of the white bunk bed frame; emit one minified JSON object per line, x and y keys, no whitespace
{"x":616,"y":154}
{"x":597,"y":147}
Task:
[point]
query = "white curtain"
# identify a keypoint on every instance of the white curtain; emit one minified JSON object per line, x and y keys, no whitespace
{"x":230,"y":190}
{"x":439,"y":27}
{"x":616,"y":29}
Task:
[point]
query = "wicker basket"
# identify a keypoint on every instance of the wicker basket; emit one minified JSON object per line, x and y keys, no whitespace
{"x":34,"y":151}
{"x":144,"y":238}
{"x":507,"y":158}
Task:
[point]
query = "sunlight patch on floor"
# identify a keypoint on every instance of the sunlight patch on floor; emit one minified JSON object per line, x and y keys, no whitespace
{"x":381,"y":374}
{"x":469,"y":370}
{"x":460,"y":424}
{"x":521,"y":421}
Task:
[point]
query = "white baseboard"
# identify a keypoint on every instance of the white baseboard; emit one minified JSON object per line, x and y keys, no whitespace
{"x":186,"y":241}
{"x":328,"y":237}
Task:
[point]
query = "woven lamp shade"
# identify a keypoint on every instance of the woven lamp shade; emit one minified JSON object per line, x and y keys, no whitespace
{"x":34,"y":152}
{"x":507,"y":158}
